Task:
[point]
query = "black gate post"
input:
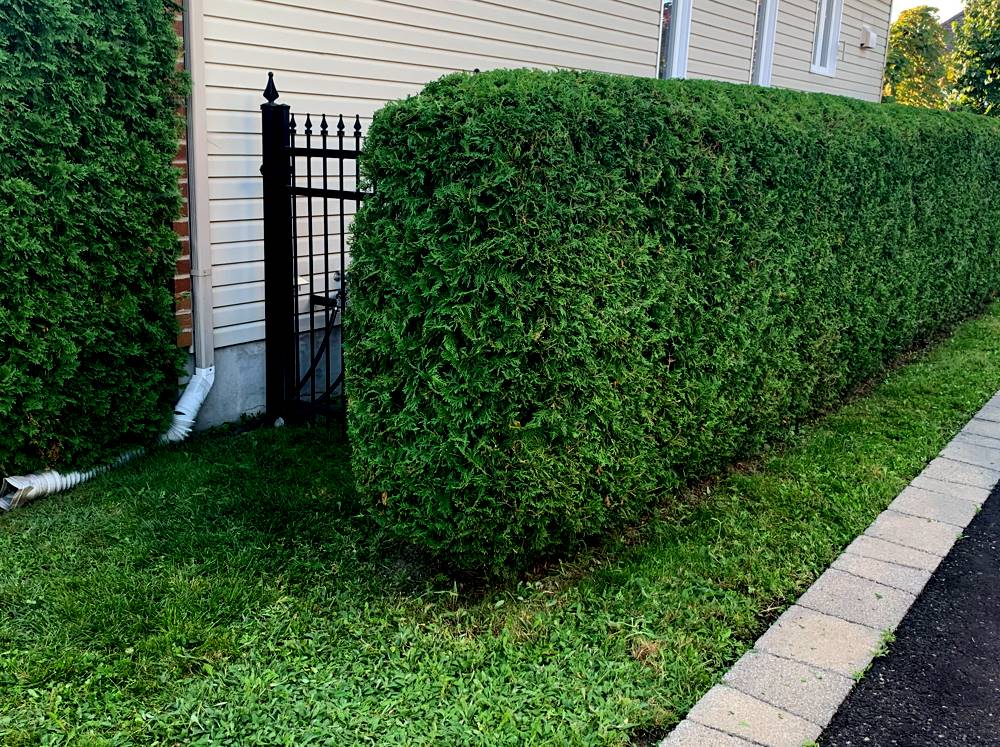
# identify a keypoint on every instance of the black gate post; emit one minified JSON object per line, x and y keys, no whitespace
{"x":279,"y":274}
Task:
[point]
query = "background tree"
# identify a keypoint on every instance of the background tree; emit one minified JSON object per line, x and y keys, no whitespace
{"x":915,"y":65}
{"x":976,"y":58}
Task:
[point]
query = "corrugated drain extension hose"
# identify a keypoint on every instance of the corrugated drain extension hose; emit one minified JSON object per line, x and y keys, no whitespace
{"x":20,"y":489}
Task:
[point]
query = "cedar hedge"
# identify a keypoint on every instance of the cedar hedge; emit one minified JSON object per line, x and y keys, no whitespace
{"x":573,"y":292}
{"x":88,"y":128}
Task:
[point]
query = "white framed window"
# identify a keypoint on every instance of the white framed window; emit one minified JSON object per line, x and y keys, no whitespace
{"x":675,"y":28}
{"x":763,"y":49}
{"x":826,"y":44}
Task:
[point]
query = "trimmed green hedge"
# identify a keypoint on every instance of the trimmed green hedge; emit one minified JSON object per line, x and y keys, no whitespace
{"x":573,"y":292}
{"x":88,"y":128}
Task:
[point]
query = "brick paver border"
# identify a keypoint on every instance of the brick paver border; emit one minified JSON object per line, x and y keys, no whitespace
{"x":785,"y":690}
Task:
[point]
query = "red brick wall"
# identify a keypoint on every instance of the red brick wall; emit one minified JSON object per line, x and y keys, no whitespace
{"x":182,"y":274}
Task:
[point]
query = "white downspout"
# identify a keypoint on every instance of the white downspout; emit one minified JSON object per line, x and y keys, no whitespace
{"x":187,"y":407}
{"x":199,"y":227}
{"x":20,"y":489}
{"x":198,"y":203}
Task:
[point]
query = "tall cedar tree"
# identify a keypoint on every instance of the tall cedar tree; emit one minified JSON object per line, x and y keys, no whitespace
{"x":88,"y":129}
{"x":915,"y":65}
{"x":976,"y":58}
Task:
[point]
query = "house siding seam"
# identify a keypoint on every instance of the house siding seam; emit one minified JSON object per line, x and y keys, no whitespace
{"x":182,"y":268}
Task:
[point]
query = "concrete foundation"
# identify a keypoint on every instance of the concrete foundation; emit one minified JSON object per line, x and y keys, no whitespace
{"x":238,"y":388}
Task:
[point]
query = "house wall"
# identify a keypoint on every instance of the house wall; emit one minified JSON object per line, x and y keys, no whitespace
{"x":351,"y":58}
{"x":859,"y":71}
{"x":335,"y":56}
{"x":721,"y":39}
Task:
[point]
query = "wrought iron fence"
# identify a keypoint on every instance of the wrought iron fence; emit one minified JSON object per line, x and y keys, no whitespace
{"x":311,"y":192}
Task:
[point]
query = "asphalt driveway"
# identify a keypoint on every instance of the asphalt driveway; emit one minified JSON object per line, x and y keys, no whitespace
{"x":940,"y":683}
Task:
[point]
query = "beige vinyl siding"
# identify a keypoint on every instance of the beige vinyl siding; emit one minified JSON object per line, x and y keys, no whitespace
{"x":350,"y":57}
{"x":859,"y":71}
{"x":721,"y":39}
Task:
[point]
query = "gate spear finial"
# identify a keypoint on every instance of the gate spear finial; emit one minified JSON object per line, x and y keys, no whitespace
{"x":270,"y":93}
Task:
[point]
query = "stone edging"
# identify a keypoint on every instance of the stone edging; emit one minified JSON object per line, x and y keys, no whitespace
{"x":785,"y":690}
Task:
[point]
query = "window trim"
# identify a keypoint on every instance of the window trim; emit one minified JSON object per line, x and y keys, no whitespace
{"x":763,"y":53}
{"x":680,"y":32}
{"x":827,"y":67}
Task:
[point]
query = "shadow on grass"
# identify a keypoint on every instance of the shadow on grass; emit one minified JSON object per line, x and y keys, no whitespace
{"x":285,"y":496}
{"x":152,"y":571}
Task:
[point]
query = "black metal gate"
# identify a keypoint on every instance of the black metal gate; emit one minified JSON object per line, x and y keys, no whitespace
{"x":310,"y":196}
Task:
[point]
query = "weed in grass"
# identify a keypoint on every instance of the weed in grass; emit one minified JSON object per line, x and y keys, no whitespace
{"x":885,"y":642}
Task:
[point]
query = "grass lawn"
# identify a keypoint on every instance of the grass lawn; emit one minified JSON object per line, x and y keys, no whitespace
{"x":230,"y":591}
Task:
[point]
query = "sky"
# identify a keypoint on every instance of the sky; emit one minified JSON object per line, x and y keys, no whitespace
{"x":946,"y":8}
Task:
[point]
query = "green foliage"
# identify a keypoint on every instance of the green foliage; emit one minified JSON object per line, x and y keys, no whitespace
{"x":976,"y":58}
{"x":184,"y":600}
{"x":915,"y":65}
{"x":88,"y":128}
{"x":574,"y":292}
